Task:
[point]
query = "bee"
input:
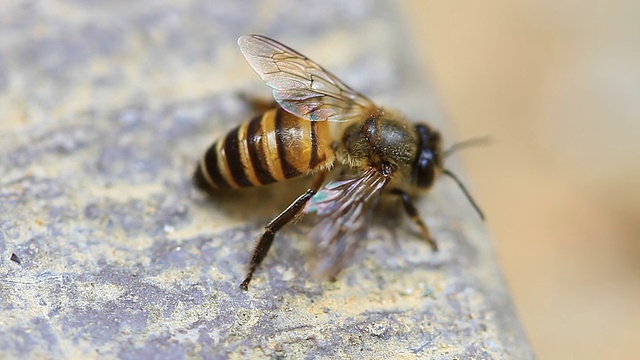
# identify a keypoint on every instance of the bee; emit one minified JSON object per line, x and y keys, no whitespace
{"x":321,"y":123}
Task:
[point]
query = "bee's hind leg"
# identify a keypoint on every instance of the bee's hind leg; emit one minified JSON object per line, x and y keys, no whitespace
{"x":411,"y":210}
{"x":258,"y":105}
{"x":266,"y":239}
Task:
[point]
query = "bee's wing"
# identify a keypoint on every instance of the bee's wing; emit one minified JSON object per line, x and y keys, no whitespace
{"x":301,"y":86}
{"x":343,"y":211}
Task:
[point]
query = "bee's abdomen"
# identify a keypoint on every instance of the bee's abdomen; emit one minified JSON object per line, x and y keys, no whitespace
{"x":271,"y":147}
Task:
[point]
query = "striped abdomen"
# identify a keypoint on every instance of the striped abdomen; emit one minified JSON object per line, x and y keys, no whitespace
{"x":272,"y":147}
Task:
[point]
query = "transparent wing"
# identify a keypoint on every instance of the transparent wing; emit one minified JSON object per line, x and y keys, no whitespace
{"x":343,"y":212}
{"x":301,"y":86}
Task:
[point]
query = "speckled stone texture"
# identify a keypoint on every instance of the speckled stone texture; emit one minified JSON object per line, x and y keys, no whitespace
{"x":107,"y":250}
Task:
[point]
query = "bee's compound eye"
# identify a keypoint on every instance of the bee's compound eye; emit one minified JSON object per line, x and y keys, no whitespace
{"x":424,"y":166}
{"x":424,"y":170}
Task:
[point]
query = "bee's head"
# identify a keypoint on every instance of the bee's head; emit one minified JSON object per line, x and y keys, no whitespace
{"x":429,"y":162}
{"x":429,"y":158}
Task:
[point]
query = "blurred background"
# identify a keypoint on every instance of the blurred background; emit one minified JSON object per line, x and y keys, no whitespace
{"x":557,"y":86}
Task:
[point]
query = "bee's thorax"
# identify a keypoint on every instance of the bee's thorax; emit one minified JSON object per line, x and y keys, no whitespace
{"x":380,"y":140}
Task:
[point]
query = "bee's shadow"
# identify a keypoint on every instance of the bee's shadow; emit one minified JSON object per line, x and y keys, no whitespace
{"x":390,"y":216}
{"x":257,"y":204}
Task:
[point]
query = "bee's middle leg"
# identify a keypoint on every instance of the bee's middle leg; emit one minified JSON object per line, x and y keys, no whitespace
{"x":266,"y":239}
{"x":411,"y":210}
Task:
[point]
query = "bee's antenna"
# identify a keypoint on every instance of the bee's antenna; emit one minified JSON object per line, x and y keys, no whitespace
{"x":482,"y":140}
{"x":464,"y":190}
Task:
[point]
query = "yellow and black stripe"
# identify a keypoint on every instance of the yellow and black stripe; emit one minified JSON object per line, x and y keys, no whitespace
{"x":271,"y":147}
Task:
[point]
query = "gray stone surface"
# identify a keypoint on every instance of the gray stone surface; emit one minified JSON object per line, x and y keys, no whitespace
{"x":104,"y":110}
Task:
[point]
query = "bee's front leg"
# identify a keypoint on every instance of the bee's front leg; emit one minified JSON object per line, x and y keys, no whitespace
{"x":415,"y":217}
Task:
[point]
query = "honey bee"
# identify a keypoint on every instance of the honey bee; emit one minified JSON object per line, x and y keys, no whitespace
{"x":321,"y":123}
